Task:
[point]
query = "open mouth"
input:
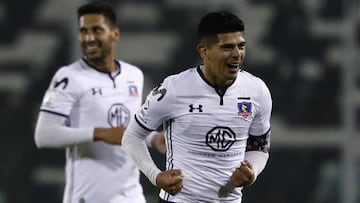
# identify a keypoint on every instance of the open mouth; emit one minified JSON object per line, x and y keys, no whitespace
{"x":234,"y":66}
{"x":92,"y":48}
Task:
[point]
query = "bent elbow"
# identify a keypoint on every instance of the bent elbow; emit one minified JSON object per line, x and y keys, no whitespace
{"x":41,"y":138}
{"x":38,"y":141}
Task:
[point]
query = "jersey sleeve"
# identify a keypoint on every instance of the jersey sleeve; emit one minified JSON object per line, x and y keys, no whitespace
{"x":51,"y":132}
{"x":159,"y":104}
{"x":62,"y":93}
{"x":261,"y":122}
{"x":258,"y":143}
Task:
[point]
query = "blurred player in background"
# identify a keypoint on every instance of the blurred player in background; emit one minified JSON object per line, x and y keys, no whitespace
{"x":216,"y":118}
{"x":86,"y":109}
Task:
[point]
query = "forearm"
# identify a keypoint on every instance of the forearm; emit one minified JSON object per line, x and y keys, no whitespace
{"x":133,"y":142}
{"x":258,"y":160}
{"x":51,"y":132}
{"x":149,"y":138}
{"x":257,"y":151}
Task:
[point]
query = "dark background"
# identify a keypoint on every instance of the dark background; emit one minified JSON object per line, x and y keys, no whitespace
{"x":306,"y":51}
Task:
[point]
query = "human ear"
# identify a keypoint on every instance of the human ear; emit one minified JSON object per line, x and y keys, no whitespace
{"x":116,"y":34}
{"x":202,"y":50}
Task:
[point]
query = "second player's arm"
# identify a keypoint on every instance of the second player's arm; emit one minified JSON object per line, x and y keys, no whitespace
{"x":52,"y":132}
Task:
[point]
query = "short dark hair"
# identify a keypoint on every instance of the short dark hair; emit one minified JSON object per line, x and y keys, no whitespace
{"x":214,"y":23}
{"x":99,"y":7}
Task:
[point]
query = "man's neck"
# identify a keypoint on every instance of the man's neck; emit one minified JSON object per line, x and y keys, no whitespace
{"x":214,"y":79}
{"x":104,"y":65}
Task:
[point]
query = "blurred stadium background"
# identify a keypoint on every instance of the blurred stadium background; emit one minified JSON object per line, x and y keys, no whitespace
{"x":307,"y":51}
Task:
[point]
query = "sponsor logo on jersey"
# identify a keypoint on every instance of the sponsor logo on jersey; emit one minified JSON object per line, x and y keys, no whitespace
{"x":64,"y":82}
{"x":159,"y":90}
{"x":49,"y":98}
{"x":244,"y":109}
{"x":142,"y":113}
{"x":220,"y":138}
{"x":147,"y":103}
{"x":197,"y":108}
{"x":118,"y":115}
{"x":96,"y":91}
{"x":133,"y":91}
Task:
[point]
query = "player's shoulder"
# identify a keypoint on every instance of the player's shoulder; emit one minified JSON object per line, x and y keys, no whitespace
{"x":129,"y":68}
{"x":252,"y":81}
{"x":67,"y":77}
{"x":183,"y":77}
{"x":255,"y":86}
{"x":70,"y":70}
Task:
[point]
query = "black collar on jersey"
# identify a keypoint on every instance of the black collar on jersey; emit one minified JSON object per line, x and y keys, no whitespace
{"x":118,"y":65}
{"x":220,"y":91}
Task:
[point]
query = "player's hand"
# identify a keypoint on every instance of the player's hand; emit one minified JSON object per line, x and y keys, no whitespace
{"x":170,"y":181}
{"x":243,"y":175}
{"x":109,"y":135}
{"x":159,"y":142}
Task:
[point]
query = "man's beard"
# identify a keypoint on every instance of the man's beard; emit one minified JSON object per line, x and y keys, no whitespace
{"x":98,"y":58}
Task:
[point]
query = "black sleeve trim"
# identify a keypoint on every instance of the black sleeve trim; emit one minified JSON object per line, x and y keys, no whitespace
{"x":137,"y":120}
{"x":55,"y":113}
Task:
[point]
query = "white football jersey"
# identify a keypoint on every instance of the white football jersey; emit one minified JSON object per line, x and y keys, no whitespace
{"x":97,"y":172}
{"x":206,"y":131}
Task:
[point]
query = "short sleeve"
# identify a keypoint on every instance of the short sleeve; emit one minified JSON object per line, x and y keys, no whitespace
{"x":62,"y":93}
{"x":159,"y":104}
{"x":261,"y":121}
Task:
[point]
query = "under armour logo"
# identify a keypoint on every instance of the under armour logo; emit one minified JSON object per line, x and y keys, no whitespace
{"x":96,"y":91}
{"x":192,"y":108}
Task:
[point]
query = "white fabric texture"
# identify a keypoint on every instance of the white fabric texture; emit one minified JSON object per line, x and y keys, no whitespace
{"x":134,"y":144}
{"x":258,"y":161}
{"x":150,"y":137}
{"x":51,"y":132}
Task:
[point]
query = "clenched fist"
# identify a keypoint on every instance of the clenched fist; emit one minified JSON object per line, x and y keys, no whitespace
{"x":170,"y":181}
{"x":243,"y":175}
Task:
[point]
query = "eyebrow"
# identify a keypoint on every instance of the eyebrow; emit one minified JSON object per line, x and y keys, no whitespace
{"x":91,"y":27}
{"x":232,"y":44}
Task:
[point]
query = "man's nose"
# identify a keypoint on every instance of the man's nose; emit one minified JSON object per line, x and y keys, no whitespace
{"x":89,"y":37}
{"x":236,"y":52}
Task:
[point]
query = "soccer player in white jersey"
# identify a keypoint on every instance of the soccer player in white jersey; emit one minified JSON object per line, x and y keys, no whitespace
{"x":86,"y":109}
{"x":216,"y":118}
